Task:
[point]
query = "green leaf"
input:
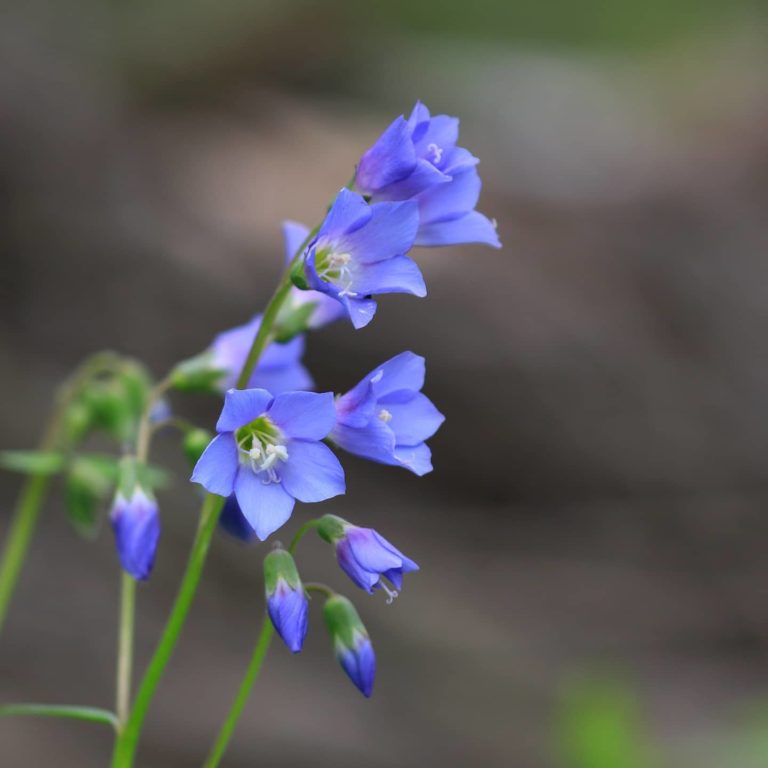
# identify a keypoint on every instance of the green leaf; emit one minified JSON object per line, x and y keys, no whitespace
{"x":32,"y":462}
{"x":91,"y":714}
{"x":91,"y":479}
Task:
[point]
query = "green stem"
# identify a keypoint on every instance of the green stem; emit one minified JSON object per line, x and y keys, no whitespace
{"x":31,"y":499}
{"x":251,"y":673}
{"x":321,"y":589}
{"x":91,"y":714}
{"x":125,"y":646}
{"x":127,"y":742}
{"x":254,"y":666}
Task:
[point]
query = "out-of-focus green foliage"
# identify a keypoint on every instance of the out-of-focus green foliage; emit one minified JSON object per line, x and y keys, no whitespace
{"x":599,"y":726}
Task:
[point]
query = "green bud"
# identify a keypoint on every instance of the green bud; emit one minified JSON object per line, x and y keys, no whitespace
{"x":197,"y":375}
{"x":298,"y":275}
{"x":331,"y":528}
{"x":195,"y":442}
{"x":343,"y":621}
{"x":279,"y":564}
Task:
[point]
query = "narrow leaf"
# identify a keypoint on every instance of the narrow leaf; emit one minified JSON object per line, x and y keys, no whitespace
{"x":32,"y":462}
{"x":90,"y":714}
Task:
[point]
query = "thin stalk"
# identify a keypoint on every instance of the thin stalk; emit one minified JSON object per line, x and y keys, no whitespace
{"x":254,"y":666}
{"x":30,"y":501}
{"x":125,"y":646}
{"x":90,"y":714}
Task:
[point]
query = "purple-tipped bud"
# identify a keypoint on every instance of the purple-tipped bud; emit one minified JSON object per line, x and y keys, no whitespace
{"x":351,"y":643}
{"x":366,"y":556}
{"x":287,"y":603}
{"x":136,"y":523}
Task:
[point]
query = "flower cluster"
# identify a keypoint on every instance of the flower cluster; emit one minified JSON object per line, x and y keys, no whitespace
{"x":276,"y":437}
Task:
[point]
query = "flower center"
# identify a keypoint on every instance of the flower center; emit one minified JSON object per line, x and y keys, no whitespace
{"x":335,"y":267}
{"x":385,"y":415}
{"x":261,"y":446}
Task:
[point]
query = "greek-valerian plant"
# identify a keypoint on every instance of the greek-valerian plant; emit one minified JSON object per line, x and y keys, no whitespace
{"x":276,"y":438}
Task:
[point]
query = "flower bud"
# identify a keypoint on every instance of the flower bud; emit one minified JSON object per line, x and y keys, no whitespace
{"x":287,"y":603}
{"x":135,"y":522}
{"x":195,"y":442}
{"x":366,"y":556}
{"x":351,"y":643}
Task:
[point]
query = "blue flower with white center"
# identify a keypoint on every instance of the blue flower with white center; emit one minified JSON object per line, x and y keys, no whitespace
{"x":359,"y":252}
{"x":386,"y":418}
{"x":279,"y":369}
{"x":136,"y":524}
{"x":366,"y":556}
{"x":268,"y":453}
{"x":325,"y":308}
{"x":351,"y":642}
{"x":287,"y":603}
{"x":417,"y":159}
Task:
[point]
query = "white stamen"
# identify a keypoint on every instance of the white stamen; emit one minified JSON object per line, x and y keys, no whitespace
{"x":436,"y":151}
{"x":391,"y":593}
{"x":385,"y":415}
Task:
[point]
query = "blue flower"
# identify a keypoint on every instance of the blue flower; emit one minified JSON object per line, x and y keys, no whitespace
{"x":268,"y":453}
{"x":287,"y":604}
{"x":386,"y":418}
{"x":136,"y":525}
{"x":326,"y":309}
{"x":366,"y":556}
{"x":279,"y":369}
{"x":360,"y":251}
{"x":233,"y":521}
{"x":351,"y":642}
{"x":418,"y":159}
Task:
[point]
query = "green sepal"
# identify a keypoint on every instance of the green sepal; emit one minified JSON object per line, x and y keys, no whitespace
{"x":195,"y":442}
{"x":299,"y":276}
{"x":343,"y":621}
{"x":77,"y":422}
{"x":279,"y":564}
{"x":294,"y":322}
{"x":197,"y":374}
{"x":32,"y":462}
{"x":91,"y":479}
{"x":331,"y":528}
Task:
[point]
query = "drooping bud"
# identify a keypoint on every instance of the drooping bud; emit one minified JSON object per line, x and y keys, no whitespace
{"x":366,"y":556}
{"x":195,"y":442}
{"x":287,"y":603}
{"x":135,"y":522}
{"x":351,"y":642}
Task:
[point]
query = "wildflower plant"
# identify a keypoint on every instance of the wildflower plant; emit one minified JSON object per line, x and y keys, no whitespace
{"x":276,"y":439}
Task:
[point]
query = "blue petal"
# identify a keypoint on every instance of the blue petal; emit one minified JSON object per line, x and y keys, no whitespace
{"x":348,"y":213}
{"x":472,"y":228}
{"x":390,"y":231}
{"x":414,"y":417}
{"x":312,"y":472}
{"x":375,"y":441}
{"x":294,"y":235}
{"x":416,"y":458}
{"x":450,"y":201}
{"x":216,"y":468}
{"x":418,"y":121}
{"x":458,"y":160}
{"x":279,"y":355}
{"x":233,"y":521}
{"x":356,"y":407}
{"x":242,"y":406}
{"x":424,"y":176}
{"x":374,"y":553}
{"x":404,"y":371}
{"x":136,"y":525}
{"x":348,"y":563}
{"x":391,"y":158}
{"x":266,"y":506}
{"x":289,"y":611}
{"x":304,"y":415}
{"x":278,"y":380}
{"x":360,"y":665}
{"x":397,"y":275}
{"x":443,"y":133}
{"x":360,"y":311}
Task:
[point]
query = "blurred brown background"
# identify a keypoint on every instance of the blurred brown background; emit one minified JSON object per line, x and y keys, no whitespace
{"x":598,"y":504}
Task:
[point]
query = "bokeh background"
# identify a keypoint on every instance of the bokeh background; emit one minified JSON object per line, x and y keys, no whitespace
{"x":594,"y":585}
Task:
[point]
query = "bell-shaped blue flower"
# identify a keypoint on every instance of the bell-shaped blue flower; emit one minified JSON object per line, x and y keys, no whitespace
{"x":386,"y":418}
{"x":287,"y":603}
{"x":351,"y":642}
{"x":232,"y":520}
{"x":418,"y":159}
{"x":325,"y":309}
{"x":359,"y":252}
{"x":366,"y":556}
{"x":268,"y":453}
{"x":136,"y":525}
